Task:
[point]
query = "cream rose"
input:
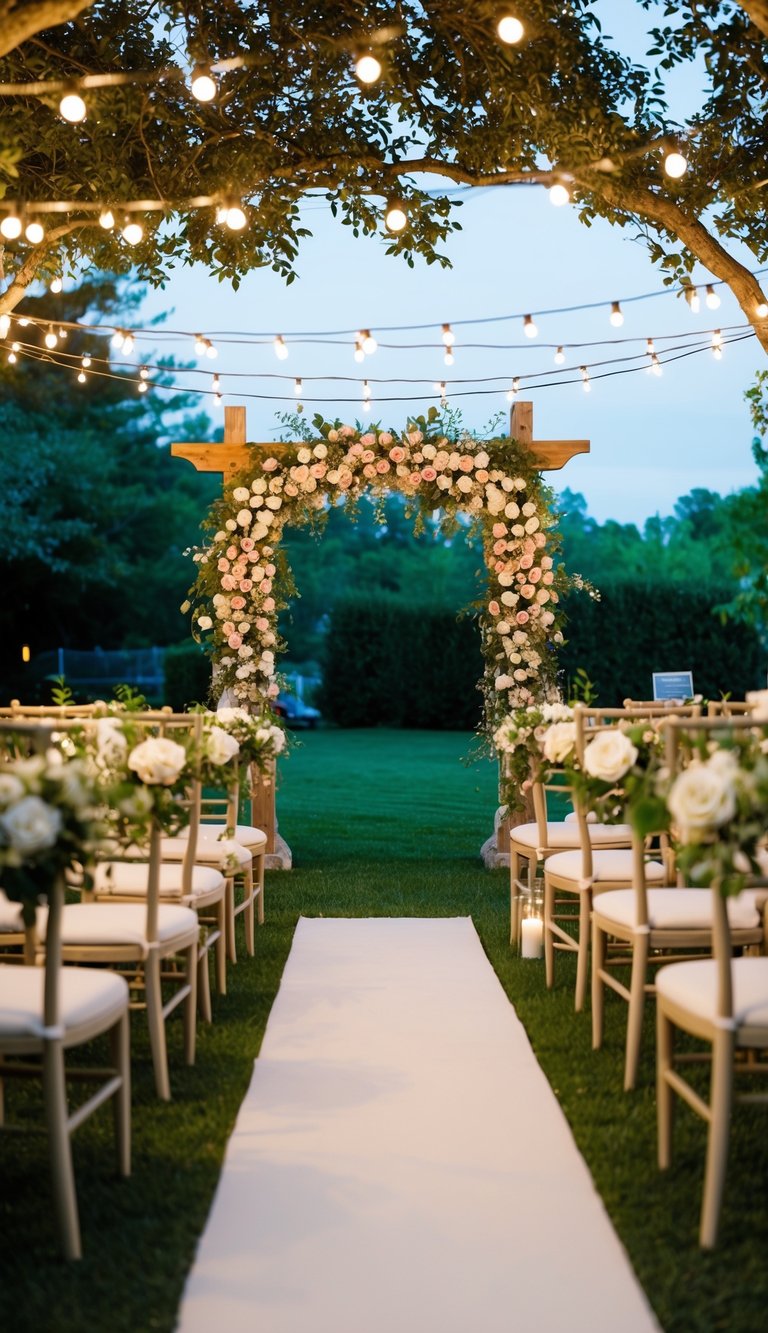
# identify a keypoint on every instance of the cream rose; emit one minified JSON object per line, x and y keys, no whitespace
{"x":31,"y":825}
{"x":220,"y":746}
{"x":609,"y":756}
{"x":158,"y":761}
{"x":558,"y":742}
{"x":701,"y":798}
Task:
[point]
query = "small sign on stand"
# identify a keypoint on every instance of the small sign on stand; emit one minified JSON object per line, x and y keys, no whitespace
{"x":673,"y":686}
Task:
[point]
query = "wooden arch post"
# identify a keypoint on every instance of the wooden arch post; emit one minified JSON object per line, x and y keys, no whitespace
{"x":232,"y":456}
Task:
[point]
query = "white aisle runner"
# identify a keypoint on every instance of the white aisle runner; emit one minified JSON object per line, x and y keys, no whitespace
{"x":400,"y":1163}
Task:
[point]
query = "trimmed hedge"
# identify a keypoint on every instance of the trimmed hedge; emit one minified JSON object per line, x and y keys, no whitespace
{"x":187,"y":675}
{"x":638,"y":628}
{"x":396,"y":665}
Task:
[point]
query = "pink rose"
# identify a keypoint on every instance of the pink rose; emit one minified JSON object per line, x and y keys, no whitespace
{"x":228,"y":583}
{"x":415,"y":478}
{"x":482,"y":476}
{"x":254,"y":557}
{"x":269,"y":570}
{"x":548,"y":577}
{"x":428,"y":473}
{"x":262,"y":624}
{"x":499,"y":547}
{"x":356,"y":450}
{"x":232,"y":553}
{"x":494,"y":608}
{"x":291,"y":488}
{"x":415,"y":437}
{"x":368,"y":439}
{"x":273,"y":691}
{"x":543,"y":596}
{"x":333,"y":436}
{"x":247,"y":543}
{"x":269,"y":604}
{"x":223,"y":565}
{"x":227,"y":628}
{"x":318,"y":470}
{"x":382,"y":466}
{"x":466,"y":463}
{"x":237,"y":603}
{"x":539,"y":539}
{"x":499,"y":567}
{"x":368,"y":455}
{"x":529,"y":546}
{"x":235,"y":640}
{"x":300,"y":473}
{"x":553,"y":596}
{"x":238,"y":571}
{"x":269,"y":465}
{"x":345,"y":481}
{"x":526,"y":561}
{"x":418,"y":458}
{"x":535,"y":610}
{"x":369,"y":470}
{"x":522,"y":617}
{"x":385,"y":438}
{"x":527,"y":590}
{"x":265,"y":585}
{"x":499,"y":529}
{"x":397,"y":454}
{"x":534,"y":575}
{"x":246,"y":585}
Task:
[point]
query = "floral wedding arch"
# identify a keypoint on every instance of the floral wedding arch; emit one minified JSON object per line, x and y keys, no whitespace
{"x":243,"y":579}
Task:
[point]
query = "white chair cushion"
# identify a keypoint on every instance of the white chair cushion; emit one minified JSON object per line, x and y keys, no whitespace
{"x":566,"y":834}
{"x":693,"y":985}
{"x":208,"y":851}
{"x":122,"y":923}
{"x":685,"y":909}
{"x":10,"y":916}
{"x":84,"y":993}
{"x":130,"y":877}
{"x":758,"y":898}
{"x":247,"y":834}
{"x":614,"y":864}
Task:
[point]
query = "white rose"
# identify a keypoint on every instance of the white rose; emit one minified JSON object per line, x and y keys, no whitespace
{"x":482,"y":460}
{"x":519,"y":484}
{"x":505,"y":579}
{"x":204,"y":622}
{"x":509,"y":598}
{"x":531,"y":525}
{"x":320,"y":450}
{"x":220,"y":536}
{"x":507,"y":484}
{"x":556,"y":712}
{"x":464,"y":483}
{"x":230,"y":525}
{"x":274,"y":502}
{"x":259,"y":486}
{"x":443,"y":482}
{"x":529,"y":509}
{"x":609,"y":756}
{"x":304,"y":455}
{"x":758,"y":701}
{"x":278,"y":738}
{"x":220,"y":746}
{"x":503,"y":683}
{"x":111,"y":744}
{"x":511,"y":510}
{"x":701,"y":798}
{"x":226,"y":715}
{"x":31,"y":825}
{"x":256,"y":501}
{"x":502,"y":627}
{"x":241,"y":494}
{"x":429,"y":450}
{"x":244,"y":518}
{"x":158,"y":761}
{"x":558,"y":742}
{"x":11,"y":789}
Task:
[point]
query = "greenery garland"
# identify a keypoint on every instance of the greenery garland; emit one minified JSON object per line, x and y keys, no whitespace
{"x":492,"y":487}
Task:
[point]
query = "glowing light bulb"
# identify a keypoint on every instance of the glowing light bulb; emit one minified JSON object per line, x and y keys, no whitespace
{"x":203,"y":86}
{"x":395,"y":218}
{"x":616,"y":316}
{"x":510,"y":30}
{"x":297,"y":387}
{"x":72,"y":108}
{"x":449,"y":337}
{"x":15,"y":347}
{"x":142,"y":386}
{"x":23,"y":322}
{"x":449,"y":358}
{"x":199,"y":345}
{"x":712,"y":299}
{"x":51,"y":339}
{"x":133,"y":233}
{"x":210,"y":351}
{"x":118,"y":338}
{"x":281,"y":351}
{"x":143,"y":373}
{"x":529,"y":328}
{"x":762,"y":310}
{"x":217,"y":400}
{"x":649,"y":347}
{"x":513,"y":390}
{"x":442,"y":387}
{"x":558,"y":195}
{"x":585,"y":382}
{"x":656,"y":367}
{"x":359,"y":354}
{"x":366,"y":390}
{"x":559,"y":356}
{"x":675,"y":165}
{"x":236,"y":219}
{"x":216,"y":384}
{"x":85,"y":362}
{"x":62,"y":332}
{"x":129,"y":342}
{"x":34,"y":233}
{"x":56,"y":285}
{"x":5,"y":324}
{"x":107,"y":219}
{"x":82,"y":377}
{"x":694,"y":300}
{"x":369,"y":343}
{"x":368,"y":68}
{"x":12,"y":358}
{"x":10,"y":227}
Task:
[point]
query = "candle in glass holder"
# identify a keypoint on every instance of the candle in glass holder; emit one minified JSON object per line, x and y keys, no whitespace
{"x":532,"y":937}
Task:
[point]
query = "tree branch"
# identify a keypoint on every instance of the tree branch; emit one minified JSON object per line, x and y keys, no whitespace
{"x":29,"y":270}
{"x":758,"y":13}
{"x":19,"y":22}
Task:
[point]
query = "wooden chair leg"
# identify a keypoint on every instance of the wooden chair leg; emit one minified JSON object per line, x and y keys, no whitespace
{"x":190,"y":1005}
{"x":258,"y":871}
{"x":248,"y":913}
{"x":120,"y":1040}
{"x":665,"y":1097}
{"x":204,"y":986}
{"x":220,"y":954}
{"x":156,"y":1023}
{"x":717,"y":1139}
{"x":549,"y":947}
{"x":514,"y":898}
{"x":635,"y":1010}
{"x":60,"y":1150}
{"x":229,"y":898}
{"x":598,"y":992}
{"x":582,"y":952}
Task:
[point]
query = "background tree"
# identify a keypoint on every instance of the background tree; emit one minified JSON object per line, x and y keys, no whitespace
{"x":454,"y":104}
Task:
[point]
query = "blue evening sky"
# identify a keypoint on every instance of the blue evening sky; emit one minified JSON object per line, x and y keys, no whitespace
{"x":653,"y":438}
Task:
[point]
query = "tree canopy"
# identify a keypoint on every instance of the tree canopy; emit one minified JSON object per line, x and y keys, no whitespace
{"x":454,"y":104}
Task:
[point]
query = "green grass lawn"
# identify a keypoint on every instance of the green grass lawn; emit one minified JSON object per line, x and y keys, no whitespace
{"x":380,"y":823}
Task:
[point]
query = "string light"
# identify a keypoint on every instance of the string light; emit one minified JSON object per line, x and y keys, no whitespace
{"x":82,"y":377}
{"x":359,"y":354}
{"x":366,"y":390}
{"x":368,"y":342}
{"x":396,"y":218}
{"x":281,"y":350}
{"x":216,"y":384}
{"x":107,"y":219}
{"x":12,"y":358}
{"x":129,"y":342}
{"x":761,"y":310}
{"x":144,"y":373}
{"x":616,"y":317}
{"x":62,"y":332}
{"x":298,"y":387}
{"x":118,"y":338}
{"x":585,"y":382}
{"x":529,"y":328}
{"x":217,"y":400}
{"x":559,"y":195}
{"x":142,"y":386}
{"x":368,"y":68}
{"x":694,"y":300}
{"x":10,"y":227}
{"x":15,"y":347}
{"x":133,"y":233}
{"x":449,"y":358}
{"x":23,"y":322}
{"x":675,"y":165}
{"x":649,"y":347}
{"x":34,"y":233}
{"x":449,"y":337}
{"x":203,"y":86}
{"x":85,"y":362}
{"x":72,"y":108}
{"x":443,"y":390}
{"x":199,"y":344}
{"x":559,"y":356}
{"x":717,"y":345}
{"x":235,"y":218}
{"x":510,"y":30}
{"x":56,"y":285}
{"x":655,"y":365}
{"x":712,"y":298}
{"x":51,"y":338}
{"x":514,"y":390}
